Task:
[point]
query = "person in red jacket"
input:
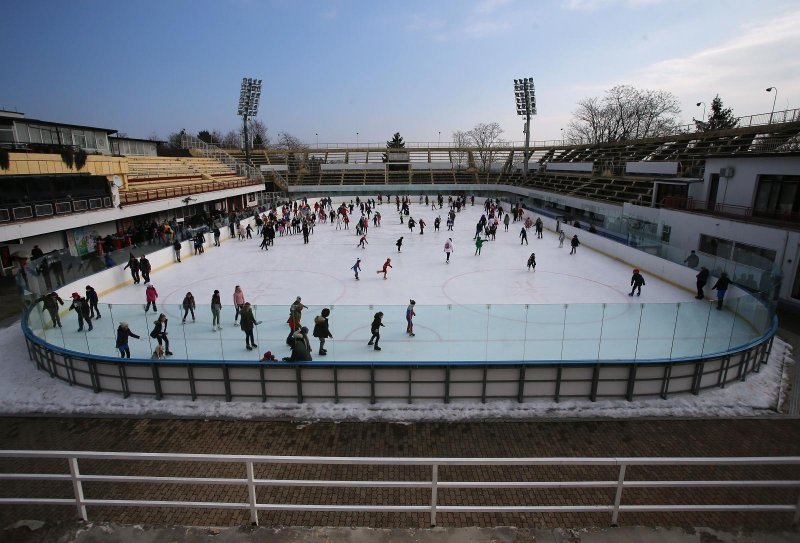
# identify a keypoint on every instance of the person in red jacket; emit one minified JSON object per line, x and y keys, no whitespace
{"x":385,"y":269}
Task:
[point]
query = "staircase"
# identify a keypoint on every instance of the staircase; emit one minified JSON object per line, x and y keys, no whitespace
{"x":241,"y":168}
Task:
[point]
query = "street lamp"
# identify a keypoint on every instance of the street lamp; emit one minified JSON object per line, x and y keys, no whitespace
{"x":704,"y":109}
{"x":439,"y":142}
{"x":317,"y":135}
{"x":356,"y":139}
{"x":525,"y":96}
{"x":770,"y":89}
{"x":248,"y":107}
{"x":562,"y":136}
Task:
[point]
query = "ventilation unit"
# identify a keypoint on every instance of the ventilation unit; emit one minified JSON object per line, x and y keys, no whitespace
{"x":727,"y":171}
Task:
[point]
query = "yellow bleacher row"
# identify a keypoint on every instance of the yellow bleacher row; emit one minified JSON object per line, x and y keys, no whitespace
{"x":145,"y":172}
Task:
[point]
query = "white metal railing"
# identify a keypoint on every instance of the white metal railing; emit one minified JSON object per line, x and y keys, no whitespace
{"x":433,"y":483}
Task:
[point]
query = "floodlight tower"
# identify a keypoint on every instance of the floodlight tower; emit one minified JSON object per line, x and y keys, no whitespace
{"x":525,"y":96}
{"x":248,"y":107}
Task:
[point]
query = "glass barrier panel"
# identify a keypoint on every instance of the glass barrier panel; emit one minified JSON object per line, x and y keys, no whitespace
{"x":507,"y":332}
{"x":720,"y":327}
{"x":468,"y":332}
{"x":620,"y":330}
{"x":744,"y":328}
{"x":656,"y":331}
{"x":691,"y":326}
{"x":102,"y":340}
{"x":544,"y":332}
{"x":582,"y":331}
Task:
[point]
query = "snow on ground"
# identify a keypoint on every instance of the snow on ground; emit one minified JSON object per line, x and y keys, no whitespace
{"x":320,"y":273}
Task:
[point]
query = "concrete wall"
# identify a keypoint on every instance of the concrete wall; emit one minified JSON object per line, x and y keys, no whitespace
{"x":656,"y":167}
{"x":741,"y":188}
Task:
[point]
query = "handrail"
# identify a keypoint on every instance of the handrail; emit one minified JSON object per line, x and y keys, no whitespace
{"x":432,"y":508}
{"x":188,"y":141}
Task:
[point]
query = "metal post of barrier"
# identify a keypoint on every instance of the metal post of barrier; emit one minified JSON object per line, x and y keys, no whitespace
{"x":251,"y":493}
{"x":434,"y":492}
{"x":618,"y":495}
{"x":77,"y":487}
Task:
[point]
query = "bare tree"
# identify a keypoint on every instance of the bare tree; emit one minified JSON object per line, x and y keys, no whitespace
{"x":287,"y":141}
{"x":485,"y":136}
{"x":624,"y":113}
{"x":461,"y":141}
{"x":259,"y":132}
{"x":174,"y":140}
{"x":231,"y":140}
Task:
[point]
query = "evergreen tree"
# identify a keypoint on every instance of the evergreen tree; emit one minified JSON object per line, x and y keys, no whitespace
{"x":719,"y":118}
{"x":204,"y":135}
{"x":395,"y":143}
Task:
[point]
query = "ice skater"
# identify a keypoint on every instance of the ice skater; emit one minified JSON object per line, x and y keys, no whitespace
{"x":448,"y":249}
{"x":478,"y":245}
{"x":410,"y":318}
{"x":385,"y":269}
{"x":362,"y":242}
{"x":123,"y":334}
{"x":702,"y":279}
{"x":637,"y":281}
{"x":356,"y":267}
{"x":422,"y":226}
{"x":376,"y":330}
{"x":574,"y":242}
{"x":561,"y":236}
{"x":176,"y":247}
{"x":532,"y":262}
{"x":322,"y":330}
{"x":150,"y":295}
{"x":133,"y":264}
{"x":188,"y":307}
{"x":159,"y":333}
{"x":539,"y":228}
{"x":399,"y":243}
{"x":721,"y":286}
{"x":248,"y":323}
{"x":523,"y":236}
{"x":216,"y":308}
{"x":91,"y":297}
{"x":238,"y":303}
{"x":81,"y":307}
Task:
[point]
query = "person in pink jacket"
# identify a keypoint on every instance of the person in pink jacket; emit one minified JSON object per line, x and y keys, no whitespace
{"x":151,"y":295}
{"x":238,"y":302}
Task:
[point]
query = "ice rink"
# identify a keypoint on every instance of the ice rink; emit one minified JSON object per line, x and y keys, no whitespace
{"x":486,"y":307}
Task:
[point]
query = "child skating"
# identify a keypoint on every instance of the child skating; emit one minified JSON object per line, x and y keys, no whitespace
{"x":636,"y":282}
{"x":385,"y":269}
{"x":532,"y":262}
{"x":356,"y":267}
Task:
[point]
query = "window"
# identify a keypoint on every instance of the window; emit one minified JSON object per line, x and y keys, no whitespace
{"x":6,"y":133}
{"x":741,"y":253}
{"x":777,"y":194}
{"x":666,"y":231}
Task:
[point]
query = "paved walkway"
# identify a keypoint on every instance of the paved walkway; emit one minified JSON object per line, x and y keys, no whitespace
{"x":772,"y":437}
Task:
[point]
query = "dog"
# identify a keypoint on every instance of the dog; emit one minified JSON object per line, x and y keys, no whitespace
{"x":158,"y":353}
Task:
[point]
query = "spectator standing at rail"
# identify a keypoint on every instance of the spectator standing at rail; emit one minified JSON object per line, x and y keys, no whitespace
{"x":150,"y":296}
{"x":375,"y":328}
{"x":91,"y":297}
{"x":133,"y":264}
{"x":322,"y":330}
{"x":721,"y":286}
{"x":188,"y":307}
{"x":692,"y":260}
{"x":702,"y":279}
{"x":124,"y":333}
{"x":81,"y":307}
{"x":637,"y":281}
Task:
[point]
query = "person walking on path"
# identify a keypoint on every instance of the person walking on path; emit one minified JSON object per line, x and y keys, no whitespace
{"x":356,"y":267}
{"x":532,"y":262}
{"x":144,"y":268}
{"x":385,"y":269}
{"x":376,"y":330}
{"x":81,"y":307}
{"x":322,"y":330}
{"x":238,"y":303}
{"x":637,"y":281}
{"x":721,"y":286}
{"x":176,"y":247}
{"x":91,"y":297}
{"x":188,"y":306}
{"x":295,"y":315}
{"x":159,"y":333}
{"x":692,"y":260}
{"x":410,"y":318}
{"x":702,"y":279}
{"x":133,"y":264}
{"x":150,"y":295}
{"x":50,"y":302}
{"x":523,"y":236}
{"x":399,"y":243}
{"x":248,"y":323}
{"x":216,"y":308}
{"x":123,"y":335}
{"x":448,"y":249}
{"x":561,"y":236}
{"x":574,"y":244}
{"x":478,"y":245}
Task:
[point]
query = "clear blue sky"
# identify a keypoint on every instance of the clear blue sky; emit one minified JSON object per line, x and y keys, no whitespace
{"x":418,"y":67}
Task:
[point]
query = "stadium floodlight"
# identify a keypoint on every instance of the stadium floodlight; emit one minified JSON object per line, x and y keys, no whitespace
{"x":249,"y":97}
{"x":525,"y":97}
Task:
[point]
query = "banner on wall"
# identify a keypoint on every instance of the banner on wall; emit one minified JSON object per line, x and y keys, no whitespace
{"x":81,"y":241}
{"x":252,"y":199}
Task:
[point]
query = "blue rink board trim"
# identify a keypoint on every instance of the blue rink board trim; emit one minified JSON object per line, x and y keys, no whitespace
{"x":418,"y":363}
